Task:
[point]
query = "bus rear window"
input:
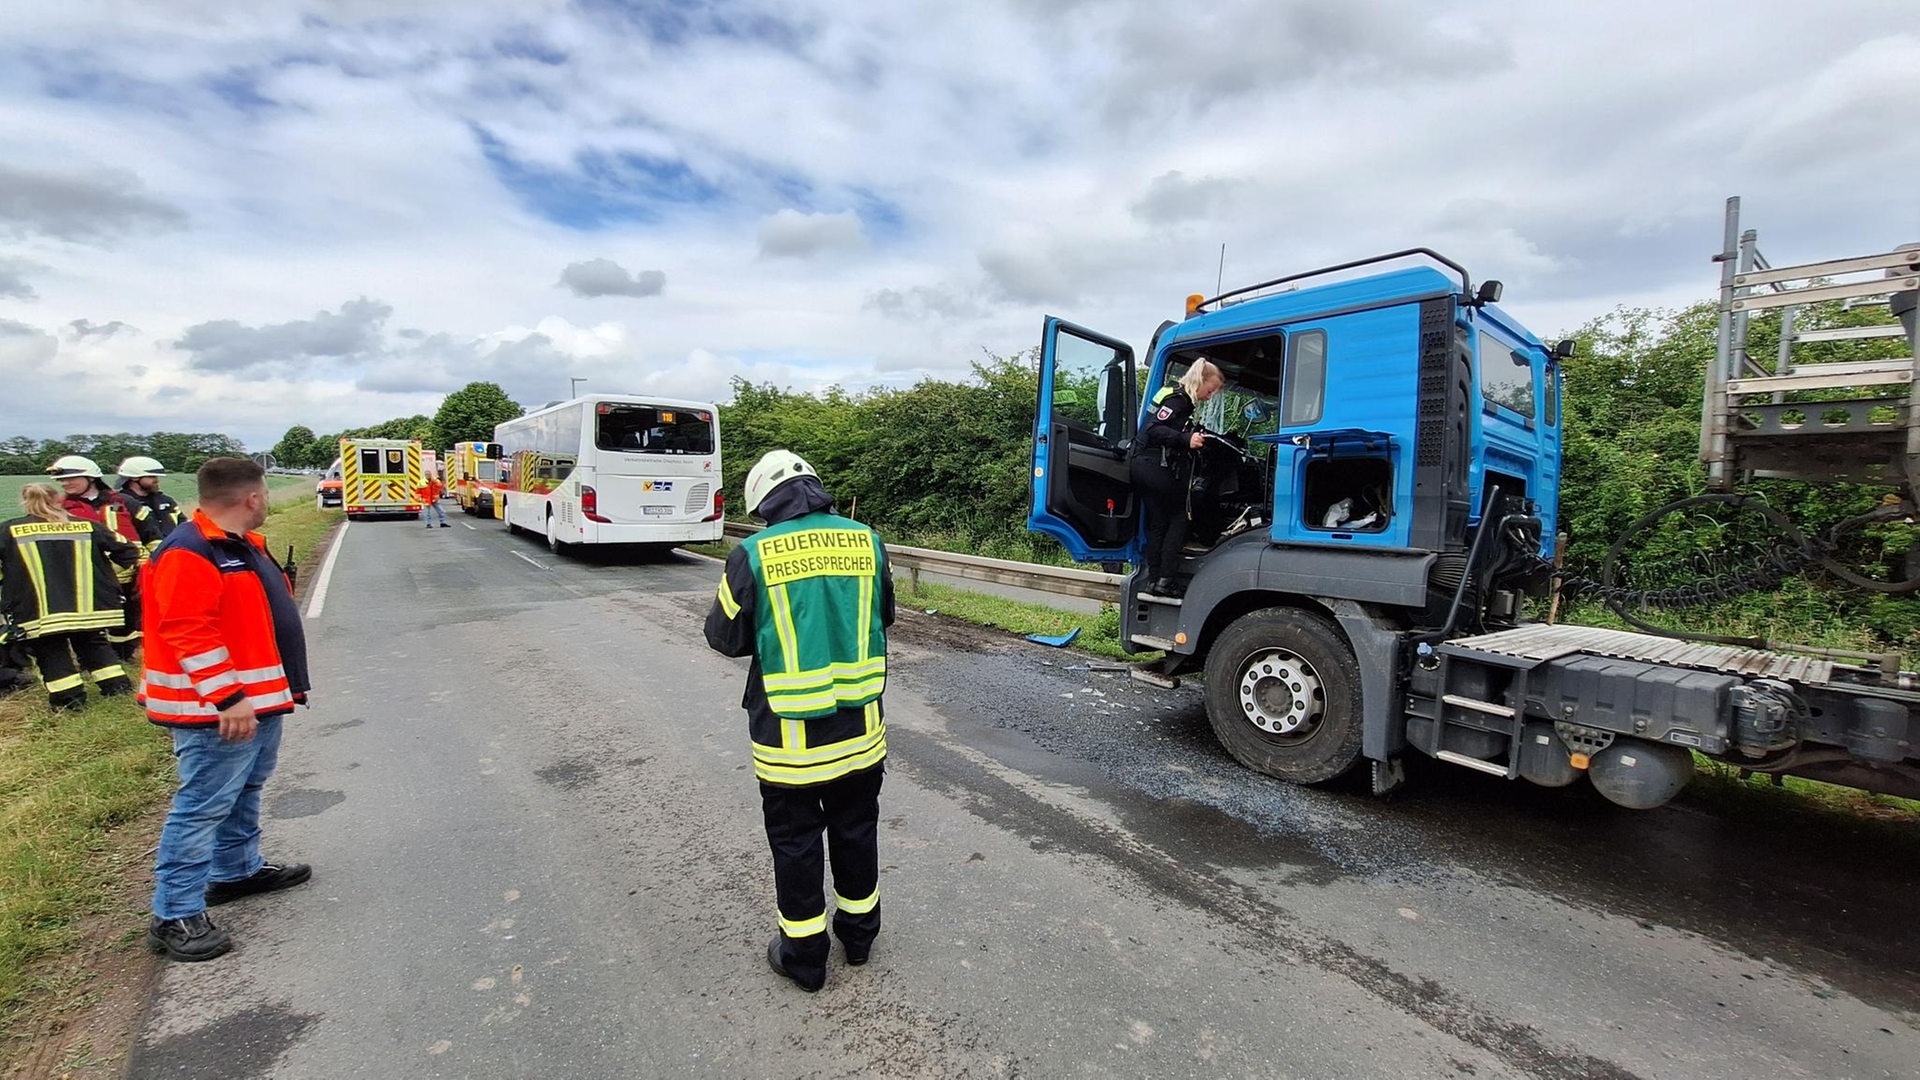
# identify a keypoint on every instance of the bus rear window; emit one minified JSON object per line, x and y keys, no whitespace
{"x":648,"y":429}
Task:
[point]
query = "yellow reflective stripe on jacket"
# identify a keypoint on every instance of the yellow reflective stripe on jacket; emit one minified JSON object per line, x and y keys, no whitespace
{"x":727,"y":603}
{"x":783,"y":625}
{"x":36,"y":574}
{"x":818,"y":774}
{"x":825,"y":676}
{"x":67,"y":622}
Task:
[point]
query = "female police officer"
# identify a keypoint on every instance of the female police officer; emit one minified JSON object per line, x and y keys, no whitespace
{"x":1162,"y":467}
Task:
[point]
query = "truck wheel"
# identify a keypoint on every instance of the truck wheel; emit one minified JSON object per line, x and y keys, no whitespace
{"x":1283,"y":695}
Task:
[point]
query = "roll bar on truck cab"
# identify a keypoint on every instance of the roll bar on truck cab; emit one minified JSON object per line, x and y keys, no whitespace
{"x":1376,"y":503}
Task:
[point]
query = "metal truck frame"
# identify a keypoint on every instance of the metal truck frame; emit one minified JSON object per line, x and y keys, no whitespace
{"x":1386,"y":504}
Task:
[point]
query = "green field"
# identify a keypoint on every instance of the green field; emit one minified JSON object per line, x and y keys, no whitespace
{"x":180,"y":487}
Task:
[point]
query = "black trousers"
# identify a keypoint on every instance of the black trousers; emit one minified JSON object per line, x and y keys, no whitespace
{"x":847,"y":811}
{"x":65,"y":679}
{"x":1164,"y":491}
{"x":125,"y":638}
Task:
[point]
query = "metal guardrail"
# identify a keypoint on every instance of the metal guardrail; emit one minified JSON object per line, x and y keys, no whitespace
{"x":1058,"y":580}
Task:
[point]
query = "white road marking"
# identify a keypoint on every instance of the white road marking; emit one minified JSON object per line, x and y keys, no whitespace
{"x":468,"y":525}
{"x":528,"y":560}
{"x":318,"y":602}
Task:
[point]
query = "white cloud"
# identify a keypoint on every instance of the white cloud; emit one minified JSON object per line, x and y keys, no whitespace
{"x":604,"y":277}
{"x":792,"y":234}
{"x":79,"y":206}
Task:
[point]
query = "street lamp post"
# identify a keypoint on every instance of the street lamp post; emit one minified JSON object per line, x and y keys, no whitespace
{"x":573,"y":386}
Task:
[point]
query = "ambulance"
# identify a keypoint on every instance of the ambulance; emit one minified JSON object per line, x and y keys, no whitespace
{"x":380,"y":477}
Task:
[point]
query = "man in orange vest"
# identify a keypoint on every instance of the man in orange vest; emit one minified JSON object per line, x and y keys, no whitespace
{"x":226,"y":662}
{"x":429,"y":495}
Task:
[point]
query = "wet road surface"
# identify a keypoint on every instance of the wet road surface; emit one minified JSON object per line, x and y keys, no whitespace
{"x":526,"y":792}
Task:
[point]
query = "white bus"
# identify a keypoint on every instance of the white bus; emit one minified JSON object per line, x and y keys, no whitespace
{"x":613,"y":469}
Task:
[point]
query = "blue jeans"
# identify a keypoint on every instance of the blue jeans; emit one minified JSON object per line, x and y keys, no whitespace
{"x":213,"y":831}
{"x":433,"y":507}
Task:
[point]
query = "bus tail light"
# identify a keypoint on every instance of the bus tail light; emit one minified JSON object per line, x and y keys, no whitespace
{"x":719,"y":507}
{"x":590,"y":505}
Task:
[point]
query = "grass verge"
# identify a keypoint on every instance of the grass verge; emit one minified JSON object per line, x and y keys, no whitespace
{"x":66,"y":781}
{"x":1099,"y":631}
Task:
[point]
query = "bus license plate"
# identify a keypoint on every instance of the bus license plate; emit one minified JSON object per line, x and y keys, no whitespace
{"x":657,"y":511}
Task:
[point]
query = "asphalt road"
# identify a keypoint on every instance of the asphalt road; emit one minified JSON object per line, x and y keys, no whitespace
{"x":525,"y":790}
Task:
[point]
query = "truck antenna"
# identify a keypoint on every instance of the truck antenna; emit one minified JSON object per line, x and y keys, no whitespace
{"x":1220,"y":275}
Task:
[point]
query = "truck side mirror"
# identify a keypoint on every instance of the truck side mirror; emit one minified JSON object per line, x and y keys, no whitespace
{"x":1563,"y":349}
{"x":1489,"y":293}
{"x":495,"y":451}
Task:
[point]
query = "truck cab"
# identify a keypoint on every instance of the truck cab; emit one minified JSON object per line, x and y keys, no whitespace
{"x":1377,"y":500}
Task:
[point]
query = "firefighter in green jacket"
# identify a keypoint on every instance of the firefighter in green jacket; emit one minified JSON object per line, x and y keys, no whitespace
{"x":809,"y":598}
{"x":58,"y":589}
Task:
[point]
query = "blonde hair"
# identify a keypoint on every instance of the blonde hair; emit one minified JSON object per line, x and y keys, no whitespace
{"x":1201,"y":373}
{"x":43,"y":501}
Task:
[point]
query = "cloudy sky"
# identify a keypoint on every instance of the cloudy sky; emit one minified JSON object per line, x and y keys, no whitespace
{"x":224,"y":216}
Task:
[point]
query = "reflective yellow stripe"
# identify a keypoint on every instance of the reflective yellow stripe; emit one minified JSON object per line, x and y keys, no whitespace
{"x":866,"y":616}
{"x":793,"y":735}
{"x":805,"y":927}
{"x":36,"y":573}
{"x":842,"y":695}
{"x":69,"y":621}
{"x":783,"y":625}
{"x":873,"y":716}
{"x":824,"y":676}
{"x":114,"y":672}
{"x":65,"y":682}
{"x":857,"y":907}
{"x":814,"y":755}
{"x":819,"y":774}
{"x":727,"y":604}
{"x":83,"y":578}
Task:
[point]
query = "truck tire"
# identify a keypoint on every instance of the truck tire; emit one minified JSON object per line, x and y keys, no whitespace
{"x":1283,"y":695}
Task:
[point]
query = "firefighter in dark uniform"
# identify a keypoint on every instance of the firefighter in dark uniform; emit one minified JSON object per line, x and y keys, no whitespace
{"x":809,"y":598}
{"x":154,"y":511}
{"x":58,"y":589}
{"x":1161,"y":467}
{"x":89,"y":499}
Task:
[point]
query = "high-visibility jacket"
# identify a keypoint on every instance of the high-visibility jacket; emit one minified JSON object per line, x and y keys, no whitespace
{"x":220,"y":625}
{"x":57,"y":577}
{"x":810,"y":600}
{"x":109,"y":509}
{"x":154,"y":516}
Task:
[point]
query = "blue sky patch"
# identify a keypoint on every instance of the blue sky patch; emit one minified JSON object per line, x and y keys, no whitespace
{"x":602,"y":189}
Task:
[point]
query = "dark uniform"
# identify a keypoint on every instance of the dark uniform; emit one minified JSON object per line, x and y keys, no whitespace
{"x":58,"y":588}
{"x":809,"y":598}
{"x":1161,"y":466}
{"x":154,"y":516}
{"x":109,"y":509}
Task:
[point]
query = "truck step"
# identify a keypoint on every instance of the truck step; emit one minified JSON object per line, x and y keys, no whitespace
{"x":1151,"y":642}
{"x":1156,"y":598}
{"x":1489,"y":707}
{"x":1475,"y":764}
{"x":1153,"y":678}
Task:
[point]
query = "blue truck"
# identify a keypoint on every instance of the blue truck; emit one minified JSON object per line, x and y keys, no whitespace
{"x":1379,"y":507}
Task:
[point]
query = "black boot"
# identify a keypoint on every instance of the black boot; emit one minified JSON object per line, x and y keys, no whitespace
{"x":807,"y":976}
{"x":191,"y":939}
{"x":271,"y":877}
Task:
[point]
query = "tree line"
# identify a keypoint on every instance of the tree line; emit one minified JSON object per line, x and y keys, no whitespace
{"x":178,"y":451}
{"x":466,"y":415}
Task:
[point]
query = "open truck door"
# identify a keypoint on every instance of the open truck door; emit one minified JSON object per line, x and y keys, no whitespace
{"x":1082,"y":495}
